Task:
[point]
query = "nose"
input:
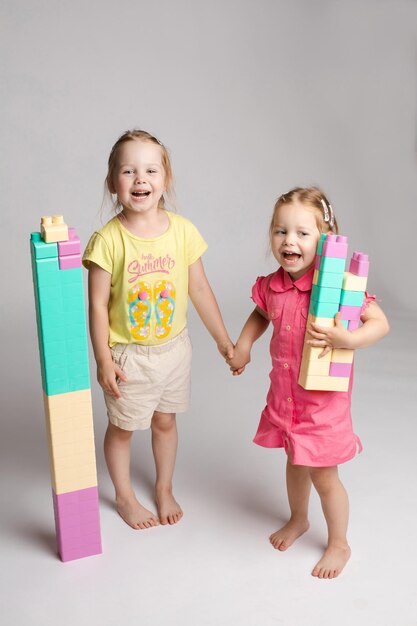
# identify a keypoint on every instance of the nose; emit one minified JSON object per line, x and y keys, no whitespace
{"x":289,"y":239}
{"x":140,"y":178}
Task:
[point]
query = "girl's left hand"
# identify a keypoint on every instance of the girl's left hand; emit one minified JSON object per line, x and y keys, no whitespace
{"x":328,"y":338}
{"x":226,"y":349}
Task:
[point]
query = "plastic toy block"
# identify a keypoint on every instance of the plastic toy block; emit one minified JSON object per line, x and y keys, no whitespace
{"x":359,"y":264}
{"x":340,"y":355}
{"x":53,"y":229}
{"x":350,"y":312}
{"x":327,"y":322}
{"x":353,"y":324}
{"x":323,"y":383}
{"x":352,"y":282}
{"x":72,"y":246}
{"x":330,"y":279}
{"x":317,"y":262}
{"x":345,"y":323}
{"x":315,"y":277}
{"x":335,"y":246}
{"x":332,"y":264}
{"x":340,"y":369}
{"x":323,"y":309}
{"x":70,"y":262}
{"x":325,"y":294}
{"x":62,"y":338}
{"x":352,"y":298}
{"x":42,"y":250}
{"x":321,"y":243}
{"x":318,"y":367}
{"x":311,"y":353}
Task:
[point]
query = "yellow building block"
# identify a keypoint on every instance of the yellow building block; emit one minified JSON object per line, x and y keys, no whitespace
{"x":53,"y":229}
{"x":342,"y":356}
{"x":323,"y":383}
{"x":310,"y":353}
{"x":351,"y":282}
{"x":326,"y":322}
{"x":317,"y":367}
{"x":75,"y":483}
{"x":315,"y":277}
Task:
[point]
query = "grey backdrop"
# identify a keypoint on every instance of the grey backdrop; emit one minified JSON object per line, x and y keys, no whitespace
{"x":251,"y":98}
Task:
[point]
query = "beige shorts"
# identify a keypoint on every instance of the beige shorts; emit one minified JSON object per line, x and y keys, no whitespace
{"x":158,"y":379}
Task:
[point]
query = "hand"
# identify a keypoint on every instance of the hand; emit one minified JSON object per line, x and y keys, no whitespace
{"x":107,"y":375}
{"x":226,"y":349}
{"x":335,"y":337}
{"x":239,"y":360}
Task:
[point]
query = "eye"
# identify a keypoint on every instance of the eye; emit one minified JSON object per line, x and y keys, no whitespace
{"x":279,"y":231}
{"x":152,"y":171}
{"x":303,"y":234}
{"x":128,"y":171}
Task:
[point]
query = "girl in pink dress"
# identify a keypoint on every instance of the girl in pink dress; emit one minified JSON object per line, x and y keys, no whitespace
{"x":314,"y":427}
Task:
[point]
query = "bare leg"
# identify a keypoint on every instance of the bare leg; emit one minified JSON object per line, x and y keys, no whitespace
{"x":117,"y":453}
{"x":164,"y":446}
{"x":335,"y":504}
{"x":298,"y":488}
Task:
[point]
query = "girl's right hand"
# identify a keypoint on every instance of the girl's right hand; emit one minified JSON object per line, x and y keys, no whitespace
{"x":107,"y":375}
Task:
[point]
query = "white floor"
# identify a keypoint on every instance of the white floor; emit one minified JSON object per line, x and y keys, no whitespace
{"x":216,"y":567}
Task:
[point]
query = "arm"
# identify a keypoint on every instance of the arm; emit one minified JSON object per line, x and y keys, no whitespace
{"x":255,"y":326}
{"x":375,"y":326}
{"x":207,"y":308}
{"x":99,"y":282}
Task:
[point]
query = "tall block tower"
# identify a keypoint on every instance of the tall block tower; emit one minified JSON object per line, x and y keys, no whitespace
{"x":62,"y":337}
{"x":334,"y":290}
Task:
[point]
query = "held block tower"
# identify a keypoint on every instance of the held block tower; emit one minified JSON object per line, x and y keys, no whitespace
{"x":334,"y":290}
{"x":62,"y":336}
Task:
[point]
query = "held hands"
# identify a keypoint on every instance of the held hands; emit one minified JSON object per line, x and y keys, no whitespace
{"x":239,"y":360}
{"x":328,"y":338}
{"x":108,"y":373}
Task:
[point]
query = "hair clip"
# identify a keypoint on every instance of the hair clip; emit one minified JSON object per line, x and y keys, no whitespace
{"x":328,"y":212}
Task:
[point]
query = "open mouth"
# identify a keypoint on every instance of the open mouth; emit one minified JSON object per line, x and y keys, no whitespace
{"x":291,"y":256}
{"x":140,"y":194}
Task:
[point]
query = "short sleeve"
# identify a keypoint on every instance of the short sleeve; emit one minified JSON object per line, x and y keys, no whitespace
{"x":97,"y":251}
{"x":259,"y":293}
{"x":367,"y":301}
{"x":196,"y":245}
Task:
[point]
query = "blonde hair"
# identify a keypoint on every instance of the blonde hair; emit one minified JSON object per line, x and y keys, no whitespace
{"x":140,"y":135}
{"x":313,"y":198}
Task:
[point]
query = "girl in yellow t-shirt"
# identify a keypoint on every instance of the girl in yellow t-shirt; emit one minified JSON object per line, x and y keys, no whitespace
{"x":143,"y":265}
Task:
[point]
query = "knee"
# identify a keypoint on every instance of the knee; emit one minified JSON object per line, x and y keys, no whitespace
{"x":324,"y":478}
{"x":115,"y":433}
{"x":163,"y":423}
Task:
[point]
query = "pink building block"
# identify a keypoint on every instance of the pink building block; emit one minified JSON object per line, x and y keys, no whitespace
{"x":340,"y":369}
{"x":72,"y":246}
{"x":69,"y":262}
{"x":335,"y":246}
{"x":359,"y":264}
{"x":353,"y":324}
{"x":317,"y":262}
{"x":350,"y":312}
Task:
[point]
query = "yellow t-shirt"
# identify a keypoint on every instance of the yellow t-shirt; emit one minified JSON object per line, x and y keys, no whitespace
{"x":149,"y":284}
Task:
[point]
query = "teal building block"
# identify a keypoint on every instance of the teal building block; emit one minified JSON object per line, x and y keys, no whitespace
{"x":323,"y":309}
{"x":320,"y":243}
{"x":345,"y":323}
{"x":352,"y":298}
{"x":325,"y":294}
{"x":330,"y":279}
{"x":61,"y":321}
{"x":332,"y":265}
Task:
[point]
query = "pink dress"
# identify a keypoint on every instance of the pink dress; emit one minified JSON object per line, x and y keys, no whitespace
{"x":314,"y":427}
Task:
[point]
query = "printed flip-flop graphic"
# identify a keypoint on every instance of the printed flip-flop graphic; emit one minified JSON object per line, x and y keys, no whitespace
{"x":140,"y":309}
{"x":164,"y":295}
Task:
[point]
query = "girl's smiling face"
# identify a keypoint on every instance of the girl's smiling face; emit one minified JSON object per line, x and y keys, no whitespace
{"x":294,"y":238}
{"x":139,"y":178}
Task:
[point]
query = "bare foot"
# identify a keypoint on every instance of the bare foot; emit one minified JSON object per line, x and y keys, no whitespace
{"x":332,"y":562}
{"x":169,"y":510}
{"x":135,"y":514}
{"x":285,"y":536}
